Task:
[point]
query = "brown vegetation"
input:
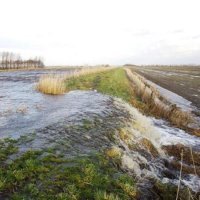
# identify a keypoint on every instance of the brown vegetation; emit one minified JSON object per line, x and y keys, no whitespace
{"x":149,"y":146}
{"x":51,"y":84}
{"x":157,"y":104}
{"x":190,"y":157}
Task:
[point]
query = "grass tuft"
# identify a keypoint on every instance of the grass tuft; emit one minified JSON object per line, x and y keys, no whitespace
{"x":51,"y":84}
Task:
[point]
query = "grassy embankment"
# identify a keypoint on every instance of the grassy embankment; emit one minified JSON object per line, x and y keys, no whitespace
{"x":112,"y":82}
{"x":117,"y":83}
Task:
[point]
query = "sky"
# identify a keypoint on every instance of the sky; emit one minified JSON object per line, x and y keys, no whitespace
{"x":91,"y":32}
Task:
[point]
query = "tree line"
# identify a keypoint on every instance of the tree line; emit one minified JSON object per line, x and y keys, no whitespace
{"x":9,"y":60}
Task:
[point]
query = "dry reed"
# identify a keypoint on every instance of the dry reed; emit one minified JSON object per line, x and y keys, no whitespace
{"x":54,"y":84}
{"x":157,"y":104}
{"x":51,"y":84}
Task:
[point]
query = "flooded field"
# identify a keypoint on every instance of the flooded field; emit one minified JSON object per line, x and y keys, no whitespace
{"x":80,"y":123}
{"x":184,"y":81}
{"x":21,"y":106}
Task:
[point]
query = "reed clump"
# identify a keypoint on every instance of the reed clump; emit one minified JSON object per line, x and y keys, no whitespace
{"x":51,"y":84}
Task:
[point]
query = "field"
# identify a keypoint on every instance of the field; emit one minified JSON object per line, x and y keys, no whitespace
{"x":184,"y":81}
{"x":98,"y":138}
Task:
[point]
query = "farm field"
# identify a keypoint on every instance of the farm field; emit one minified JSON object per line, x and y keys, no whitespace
{"x":185,"y":81}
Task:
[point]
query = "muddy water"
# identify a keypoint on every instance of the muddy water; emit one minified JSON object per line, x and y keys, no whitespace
{"x":83,"y":122}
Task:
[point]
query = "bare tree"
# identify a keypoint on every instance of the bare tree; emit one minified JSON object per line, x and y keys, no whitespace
{"x":9,"y":60}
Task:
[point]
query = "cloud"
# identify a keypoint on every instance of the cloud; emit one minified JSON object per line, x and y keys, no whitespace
{"x":101,"y":31}
{"x":177,"y":31}
{"x":196,"y":37}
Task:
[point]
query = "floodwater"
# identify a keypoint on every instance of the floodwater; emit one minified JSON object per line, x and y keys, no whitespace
{"x":22,"y":108}
{"x":80,"y":122}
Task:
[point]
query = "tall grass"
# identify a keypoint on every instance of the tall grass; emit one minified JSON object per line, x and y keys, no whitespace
{"x":54,"y":84}
{"x":51,"y":84}
{"x":157,"y":104}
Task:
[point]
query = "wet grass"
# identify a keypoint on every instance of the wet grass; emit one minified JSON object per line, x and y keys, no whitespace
{"x":113,"y":82}
{"x":46,"y":175}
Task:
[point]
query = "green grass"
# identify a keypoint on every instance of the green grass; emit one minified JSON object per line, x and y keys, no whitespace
{"x":45,"y":175}
{"x":113,"y":82}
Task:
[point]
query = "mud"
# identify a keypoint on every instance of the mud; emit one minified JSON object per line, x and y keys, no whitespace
{"x":184,"y":81}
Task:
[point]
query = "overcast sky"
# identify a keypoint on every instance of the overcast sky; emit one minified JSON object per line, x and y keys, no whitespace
{"x":70,"y":32}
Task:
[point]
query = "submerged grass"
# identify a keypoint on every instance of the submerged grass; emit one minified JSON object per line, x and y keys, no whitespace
{"x":45,"y":175}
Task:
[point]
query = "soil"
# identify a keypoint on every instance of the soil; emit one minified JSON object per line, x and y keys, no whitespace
{"x":184,"y":81}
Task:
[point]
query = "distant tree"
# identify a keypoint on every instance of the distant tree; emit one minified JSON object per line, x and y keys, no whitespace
{"x":10,"y":60}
